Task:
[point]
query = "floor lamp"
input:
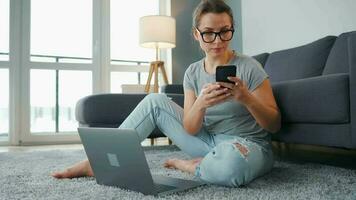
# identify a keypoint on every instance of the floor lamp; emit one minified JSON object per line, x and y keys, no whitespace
{"x":158,"y":32}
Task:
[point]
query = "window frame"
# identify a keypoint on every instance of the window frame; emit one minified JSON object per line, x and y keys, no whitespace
{"x":7,"y":65}
{"x":19,"y":66}
{"x":25,"y":136}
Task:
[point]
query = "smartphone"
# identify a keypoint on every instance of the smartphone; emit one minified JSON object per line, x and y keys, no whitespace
{"x":223,"y":71}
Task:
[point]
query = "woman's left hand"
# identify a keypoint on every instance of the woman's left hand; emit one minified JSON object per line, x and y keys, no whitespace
{"x":239,"y":90}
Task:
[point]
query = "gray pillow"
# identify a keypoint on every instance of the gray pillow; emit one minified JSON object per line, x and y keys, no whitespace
{"x":299,"y":62}
{"x":261,"y":58}
{"x":338,"y":60}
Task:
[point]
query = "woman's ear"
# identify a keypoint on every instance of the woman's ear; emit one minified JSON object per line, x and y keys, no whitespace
{"x":196,"y":34}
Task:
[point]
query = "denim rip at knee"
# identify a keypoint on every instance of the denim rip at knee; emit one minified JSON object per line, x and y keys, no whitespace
{"x":226,"y":165}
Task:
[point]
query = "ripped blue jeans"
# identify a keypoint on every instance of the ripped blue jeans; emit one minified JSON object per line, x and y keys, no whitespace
{"x":223,"y":162}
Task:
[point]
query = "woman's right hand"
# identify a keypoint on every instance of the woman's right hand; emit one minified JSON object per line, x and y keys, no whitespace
{"x":212,"y":94}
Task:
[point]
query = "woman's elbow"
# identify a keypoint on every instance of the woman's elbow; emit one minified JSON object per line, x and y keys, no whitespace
{"x":190,"y":130}
{"x":276,"y":125}
{"x":274,"y":129}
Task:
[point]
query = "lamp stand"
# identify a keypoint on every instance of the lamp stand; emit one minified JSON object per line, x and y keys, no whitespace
{"x":154,"y":66}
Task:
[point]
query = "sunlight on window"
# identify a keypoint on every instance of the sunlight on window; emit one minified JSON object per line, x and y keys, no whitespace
{"x":73,"y":85}
{"x":124,"y":29}
{"x":43,"y":100}
{"x":61,"y":28}
{"x":4,"y":104}
{"x":4,"y":30}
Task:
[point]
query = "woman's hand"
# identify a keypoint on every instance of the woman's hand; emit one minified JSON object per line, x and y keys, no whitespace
{"x":260,"y":103}
{"x":212,"y":94}
{"x":239,"y":90}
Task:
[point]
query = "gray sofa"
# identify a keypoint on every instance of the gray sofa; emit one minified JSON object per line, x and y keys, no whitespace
{"x":314,"y":86}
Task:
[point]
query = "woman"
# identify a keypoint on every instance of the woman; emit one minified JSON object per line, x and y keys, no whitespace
{"x":223,"y":127}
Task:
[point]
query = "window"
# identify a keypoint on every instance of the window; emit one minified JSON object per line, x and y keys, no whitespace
{"x":61,"y":31}
{"x":124,"y":42}
{"x":73,"y":86}
{"x":61,"y":34}
{"x":4,"y":30}
{"x":4,"y":69}
{"x":4,"y":104}
{"x":54,"y":94}
{"x":43,"y":100}
{"x":124,"y":26}
{"x":61,"y":51}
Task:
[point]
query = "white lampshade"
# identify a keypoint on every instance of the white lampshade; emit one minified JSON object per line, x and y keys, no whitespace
{"x":157,"y":31}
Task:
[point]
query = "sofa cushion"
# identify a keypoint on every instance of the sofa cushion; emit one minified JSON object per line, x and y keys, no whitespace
{"x":322,"y":99}
{"x":338,"y":60}
{"x":261,"y":58}
{"x":300,"y":62}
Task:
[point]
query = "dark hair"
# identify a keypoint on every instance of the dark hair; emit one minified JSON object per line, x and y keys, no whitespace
{"x":211,"y":6}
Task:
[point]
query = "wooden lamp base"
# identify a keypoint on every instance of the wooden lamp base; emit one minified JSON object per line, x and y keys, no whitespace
{"x":154,"y":66}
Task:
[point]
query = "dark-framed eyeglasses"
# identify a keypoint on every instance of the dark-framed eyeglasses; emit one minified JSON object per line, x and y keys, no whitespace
{"x":210,"y":36}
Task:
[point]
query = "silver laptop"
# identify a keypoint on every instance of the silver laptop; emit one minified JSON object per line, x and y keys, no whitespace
{"x":117,"y":159}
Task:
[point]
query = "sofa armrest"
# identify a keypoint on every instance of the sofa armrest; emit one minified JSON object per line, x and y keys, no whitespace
{"x":321,"y":99}
{"x":352,"y":64}
{"x":110,"y":110}
{"x":106,"y":110}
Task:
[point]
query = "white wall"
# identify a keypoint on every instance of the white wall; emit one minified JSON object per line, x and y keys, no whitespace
{"x":279,"y":24}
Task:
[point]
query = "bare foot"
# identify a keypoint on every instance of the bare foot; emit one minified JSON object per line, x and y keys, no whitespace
{"x":171,"y":163}
{"x":183,"y":165}
{"x":79,"y":169}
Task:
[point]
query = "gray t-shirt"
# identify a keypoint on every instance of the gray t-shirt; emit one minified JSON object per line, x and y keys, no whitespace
{"x":230,"y":117}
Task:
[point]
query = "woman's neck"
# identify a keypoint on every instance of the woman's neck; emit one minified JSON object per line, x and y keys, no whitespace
{"x":211,"y":63}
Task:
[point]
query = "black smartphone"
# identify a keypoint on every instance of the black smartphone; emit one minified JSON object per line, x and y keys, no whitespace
{"x":223,"y":71}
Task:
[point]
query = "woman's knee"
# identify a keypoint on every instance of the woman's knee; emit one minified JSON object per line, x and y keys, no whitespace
{"x":224,"y":165}
{"x":156,"y":98}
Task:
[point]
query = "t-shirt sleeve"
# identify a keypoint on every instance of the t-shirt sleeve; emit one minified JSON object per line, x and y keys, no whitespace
{"x":255,"y":74}
{"x":188,"y":82}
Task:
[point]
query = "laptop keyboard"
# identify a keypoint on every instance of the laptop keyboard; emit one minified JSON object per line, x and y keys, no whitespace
{"x":162,"y":188}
